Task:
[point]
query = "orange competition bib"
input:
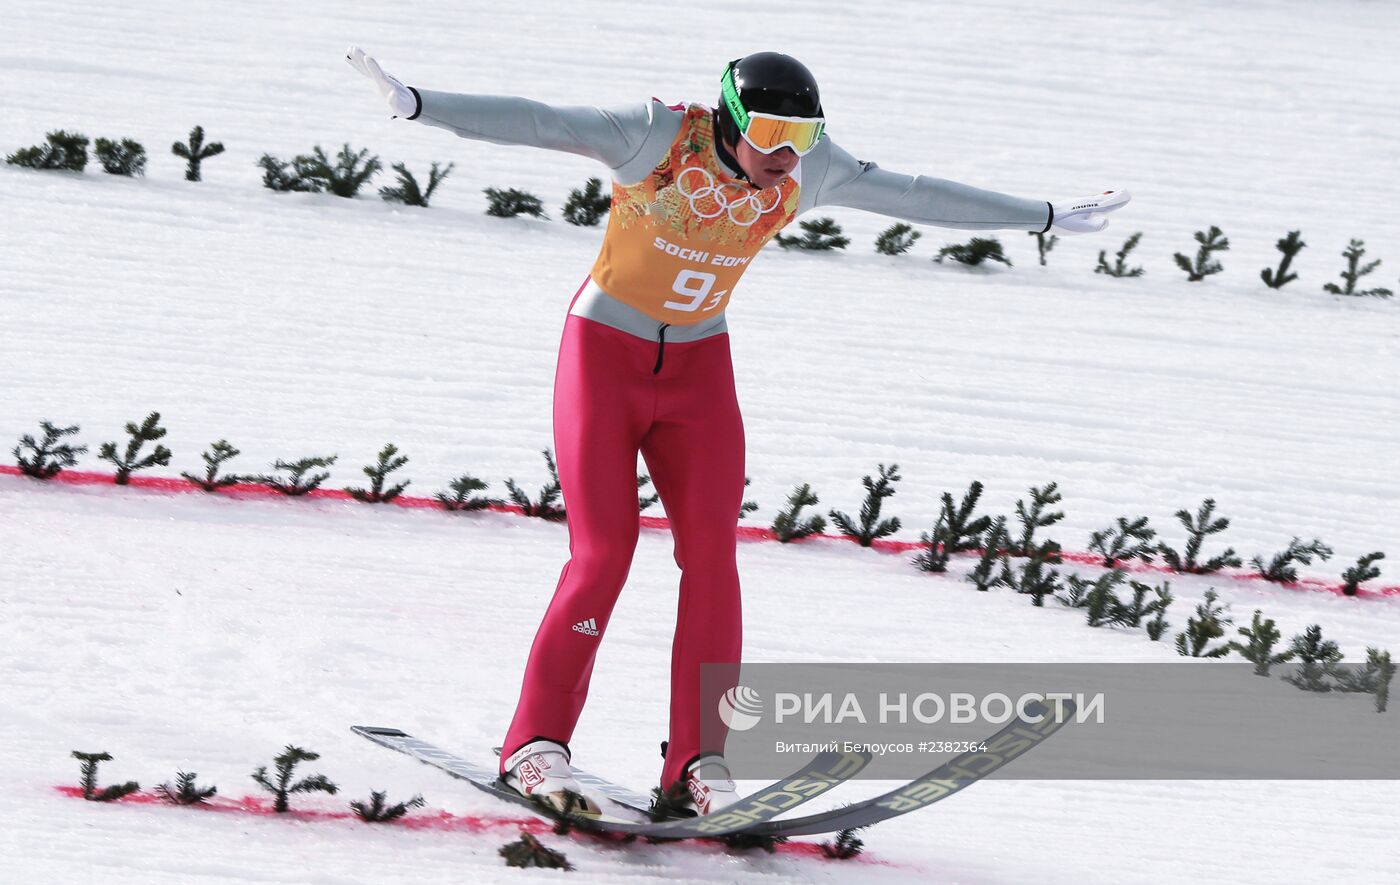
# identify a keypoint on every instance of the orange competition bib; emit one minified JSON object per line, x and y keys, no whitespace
{"x":679,"y":239}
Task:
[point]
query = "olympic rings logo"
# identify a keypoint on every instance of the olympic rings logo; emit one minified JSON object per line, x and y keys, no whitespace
{"x":710,"y":200}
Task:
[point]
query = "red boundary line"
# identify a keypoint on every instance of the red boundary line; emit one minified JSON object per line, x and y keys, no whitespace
{"x":745,"y":532}
{"x":475,"y":824}
{"x":254,"y":805}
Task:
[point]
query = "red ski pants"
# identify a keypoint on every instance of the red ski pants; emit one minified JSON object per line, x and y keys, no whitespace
{"x":616,"y":394}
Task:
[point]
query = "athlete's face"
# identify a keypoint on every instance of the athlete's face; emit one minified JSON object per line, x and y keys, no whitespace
{"x":765,"y":170}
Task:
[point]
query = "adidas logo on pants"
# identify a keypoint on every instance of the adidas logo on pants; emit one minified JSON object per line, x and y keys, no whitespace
{"x":588,"y":627}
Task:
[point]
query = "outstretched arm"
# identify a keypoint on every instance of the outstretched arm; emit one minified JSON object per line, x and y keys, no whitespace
{"x":611,"y":137}
{"x":620,"y":139}
{"x":832,"y":177}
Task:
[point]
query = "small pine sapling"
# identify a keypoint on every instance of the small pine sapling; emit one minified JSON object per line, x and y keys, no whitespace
{"x":935,"y":555}
{"x":286,"y":764}
{"x":587,"y":207}
{"x":129,"y":462}
{"x":378,"y":810}
{"x":1140,"y":608}
{"x":185,"y":791}
{"x":1125,"y":542}
{"x":1290,"y":246}
{"x":511,"y":202}
{"x":47,"y":458}
{"x":1386,"y":672}
{"x":1261,"y":636}
{"x":818,"y":235}
{"x":789,"y":524}
{"x":1036,"y":517}
{"x":974,"y":252}
{"x":1211,"y":241}
{"x":407,"y":190}
{"x":955,"y":531}
{"x":545,"y":507}
{"x":1076,"y":593}
{"x":297,"y":482}
{"x":63,"y":151}
{"x":645,"y":501}
{"x":214,"y":459}
{"x":564,"y":806}
{"x":89,"y":775}
{"x":1137,"y":609}
{"x":1363,"y":571}
{"x":389,"y":461}
{"x":569,"y":807}
{"x":747,"y":507}
{"x":1197,"y":531}
{"x":750,"y":841}
{"x":1097,"y":598}
{"x":1352,"y":254}
{"x":896,"y":239}
{"x":1207,"y":625}
{"x":279,"y":175}
{"x":1043,"y":244}
{"x":1120,"y":268}
{"x":1316,"y":656}
{"x":991,"y":569}
{"x":1281,"y":569}
{"x":1374,"y":677}
{"x":963,"y":530}
{"x":529,"y":852}
{"x":1157,"y":627}
{"x":1035,"y":577}
{"x":345,"y":176}
{"x":846,"y":846}
{"x":125,"y":157}
{"x":461,"y":498}
{"x":871,"y":527}
{"x":669,"y":805}
{"x":195,"y":152}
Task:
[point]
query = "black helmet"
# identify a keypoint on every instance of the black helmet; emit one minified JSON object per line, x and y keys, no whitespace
{"x":771,"y":83}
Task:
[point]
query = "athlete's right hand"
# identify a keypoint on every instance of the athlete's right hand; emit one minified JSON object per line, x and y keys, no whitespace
{"x":399,"y":97}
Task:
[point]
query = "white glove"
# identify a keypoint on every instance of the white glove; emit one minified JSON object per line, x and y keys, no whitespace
{"x":1086,"y":215}
{"x":400,"y":98}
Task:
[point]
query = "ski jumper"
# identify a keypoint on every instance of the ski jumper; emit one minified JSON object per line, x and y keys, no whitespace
{"x":644,"y":366}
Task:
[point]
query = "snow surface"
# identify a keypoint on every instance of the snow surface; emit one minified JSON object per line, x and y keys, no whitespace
{"x":205,"y":633}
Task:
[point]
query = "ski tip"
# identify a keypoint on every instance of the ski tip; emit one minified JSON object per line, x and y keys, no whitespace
{"x":378,"y":730}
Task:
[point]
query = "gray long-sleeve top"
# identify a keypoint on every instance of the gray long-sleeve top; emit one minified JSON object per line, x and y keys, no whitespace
{"x":632,"y":140}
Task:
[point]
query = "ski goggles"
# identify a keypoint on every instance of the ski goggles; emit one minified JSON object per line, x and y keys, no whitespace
{"x":769,"y":132}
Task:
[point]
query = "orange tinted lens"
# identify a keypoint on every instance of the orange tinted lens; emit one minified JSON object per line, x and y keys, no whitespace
{"x":767,"y":134}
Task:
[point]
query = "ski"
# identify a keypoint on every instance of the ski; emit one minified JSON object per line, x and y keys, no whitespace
{"x":487,"y":778}
{"x":818,"y":776}
{"x":756,"y":813}
{"x":1010,"y":743}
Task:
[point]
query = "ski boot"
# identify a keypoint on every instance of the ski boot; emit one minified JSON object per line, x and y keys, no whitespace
{"x":705,"y":788}
{"x":540,"y":771}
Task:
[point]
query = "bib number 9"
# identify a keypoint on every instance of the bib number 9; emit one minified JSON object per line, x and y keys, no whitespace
{"x":696,"y":287}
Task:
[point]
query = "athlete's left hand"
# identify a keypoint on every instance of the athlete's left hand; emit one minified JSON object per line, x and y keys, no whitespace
{"x":1086,"y":215}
